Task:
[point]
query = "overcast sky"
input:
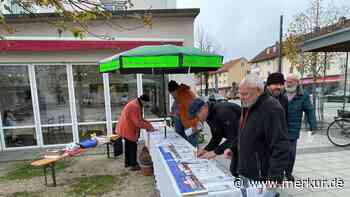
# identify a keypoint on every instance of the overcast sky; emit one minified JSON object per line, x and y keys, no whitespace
{"x":242,"y":28}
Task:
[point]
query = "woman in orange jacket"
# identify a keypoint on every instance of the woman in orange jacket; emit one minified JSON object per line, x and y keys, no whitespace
{"x":183,"y":99}
{"x":128,"y":127}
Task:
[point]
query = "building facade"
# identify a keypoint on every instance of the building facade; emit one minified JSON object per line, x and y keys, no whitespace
{"x":266,"y":62}
{"x":232,"y":71}
{"x":51,"y":91}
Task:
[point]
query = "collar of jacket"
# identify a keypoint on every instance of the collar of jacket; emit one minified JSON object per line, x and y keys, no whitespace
{"x":300,"y":91}
{"x":283,"y":93}
{"x":211,"y":114}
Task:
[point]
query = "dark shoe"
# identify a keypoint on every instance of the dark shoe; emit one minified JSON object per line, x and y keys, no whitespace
{"x":126,"y":166}
{"x":290,"y":178}
{"x":135,"y":168}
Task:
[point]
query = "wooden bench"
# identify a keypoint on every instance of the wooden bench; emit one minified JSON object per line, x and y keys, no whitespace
{"x":48,"y":163}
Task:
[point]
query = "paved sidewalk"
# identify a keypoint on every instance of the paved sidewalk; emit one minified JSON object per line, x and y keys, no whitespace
{"x":318,"y":159}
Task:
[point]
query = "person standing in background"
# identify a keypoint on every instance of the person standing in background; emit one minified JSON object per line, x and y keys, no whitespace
{"x":128,"y":127}
{"x":183,"y":97}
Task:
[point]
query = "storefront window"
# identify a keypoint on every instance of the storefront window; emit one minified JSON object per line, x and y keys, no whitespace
{"x":15,"y":96}
{"x":53,"y":96}
{"x":54,"y":106}
{"x":89,"y":93}
{"x":123,"y":88}
{"x":57,"y":135}
{"x":20,"y":137}
{"x":153,"y":85}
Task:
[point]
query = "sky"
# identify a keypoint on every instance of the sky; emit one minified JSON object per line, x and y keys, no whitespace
{"x":243,"y":28}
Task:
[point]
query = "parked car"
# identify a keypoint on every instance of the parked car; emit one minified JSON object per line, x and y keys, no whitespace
{"x":214,"y":98}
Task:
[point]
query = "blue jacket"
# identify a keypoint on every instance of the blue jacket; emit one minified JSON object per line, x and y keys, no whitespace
{"x":299,"y":104}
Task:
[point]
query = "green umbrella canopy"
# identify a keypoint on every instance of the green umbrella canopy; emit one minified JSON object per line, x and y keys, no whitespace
{"x":162,"y":59}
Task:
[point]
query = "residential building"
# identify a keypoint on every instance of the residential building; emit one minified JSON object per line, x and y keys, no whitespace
{"x":232,"y":71}
{"x":266,"y":62}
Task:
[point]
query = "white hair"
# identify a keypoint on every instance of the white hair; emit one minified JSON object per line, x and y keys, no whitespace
{"x":253,"y":81}
{"x":294,"y":76}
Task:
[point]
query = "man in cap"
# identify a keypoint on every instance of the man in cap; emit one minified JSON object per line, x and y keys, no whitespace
{"x":275,"y":87}
{"x":223,"y":120}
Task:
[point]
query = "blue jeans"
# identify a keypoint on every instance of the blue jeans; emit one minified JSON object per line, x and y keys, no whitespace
{"x":180,"y":129}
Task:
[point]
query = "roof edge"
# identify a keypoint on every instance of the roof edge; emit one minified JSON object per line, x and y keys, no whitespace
{"x":188,"y":12}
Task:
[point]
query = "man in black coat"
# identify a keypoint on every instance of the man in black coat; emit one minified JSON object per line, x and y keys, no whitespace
{"x":223,"y":120}
{"x":275,"y":87}
{"x":263,"y":146}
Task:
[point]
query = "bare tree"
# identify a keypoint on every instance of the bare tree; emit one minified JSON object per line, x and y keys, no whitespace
{"x":206,"y":43}
{"x":313,"y":20}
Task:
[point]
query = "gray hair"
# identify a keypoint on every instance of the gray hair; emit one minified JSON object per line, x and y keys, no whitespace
{"x":253,"y":81}
{"x":294,"y":76}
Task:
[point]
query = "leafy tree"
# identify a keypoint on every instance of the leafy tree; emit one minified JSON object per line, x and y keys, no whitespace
{"x":72,"y":15}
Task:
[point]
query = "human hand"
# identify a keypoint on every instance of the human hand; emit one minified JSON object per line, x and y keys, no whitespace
{"x":201,"y":152}
{"x":228,"y":153}
{"x":194,"y":130}
{"x":209,"y":155}
{"x":152,"y":129}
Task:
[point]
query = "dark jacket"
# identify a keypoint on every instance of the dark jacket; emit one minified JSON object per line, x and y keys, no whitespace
{"x":283,"y":99}
{"x":299,"y":104}
{"x":223,"y":120}
{"x":263,"y":145}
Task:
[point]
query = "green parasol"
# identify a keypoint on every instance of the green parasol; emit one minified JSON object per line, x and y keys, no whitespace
{"x":161,"y":59}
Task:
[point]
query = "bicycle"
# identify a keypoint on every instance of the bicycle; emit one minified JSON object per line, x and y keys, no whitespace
{"x":338,"y":132}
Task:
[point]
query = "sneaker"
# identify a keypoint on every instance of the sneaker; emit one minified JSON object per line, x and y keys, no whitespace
{"x":135,"y":168}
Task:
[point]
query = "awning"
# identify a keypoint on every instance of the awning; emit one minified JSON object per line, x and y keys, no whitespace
{"x":327,"y":79}
{"x":74,"y":45}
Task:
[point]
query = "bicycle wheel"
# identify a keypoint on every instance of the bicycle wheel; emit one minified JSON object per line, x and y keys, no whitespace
{"x":338,"y":132}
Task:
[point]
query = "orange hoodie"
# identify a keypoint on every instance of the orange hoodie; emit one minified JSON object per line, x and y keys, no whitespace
{"x":184,"y":98}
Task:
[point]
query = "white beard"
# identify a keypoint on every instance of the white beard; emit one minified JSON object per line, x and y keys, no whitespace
{"x":247,"y":105}
{"x":292,"y":89}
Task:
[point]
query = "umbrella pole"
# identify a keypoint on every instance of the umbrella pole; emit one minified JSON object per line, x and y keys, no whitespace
{"x":165,"y":112}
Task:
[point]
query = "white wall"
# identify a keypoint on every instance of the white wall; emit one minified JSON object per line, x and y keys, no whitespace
{"x":164,"y":28}
{"x":188,"y":3}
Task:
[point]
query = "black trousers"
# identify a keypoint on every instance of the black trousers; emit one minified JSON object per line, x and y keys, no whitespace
{"x":118,"y":147}
{"x":130,"y":153}
{"x":292,"y":154}
{"x":234,"y":163}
